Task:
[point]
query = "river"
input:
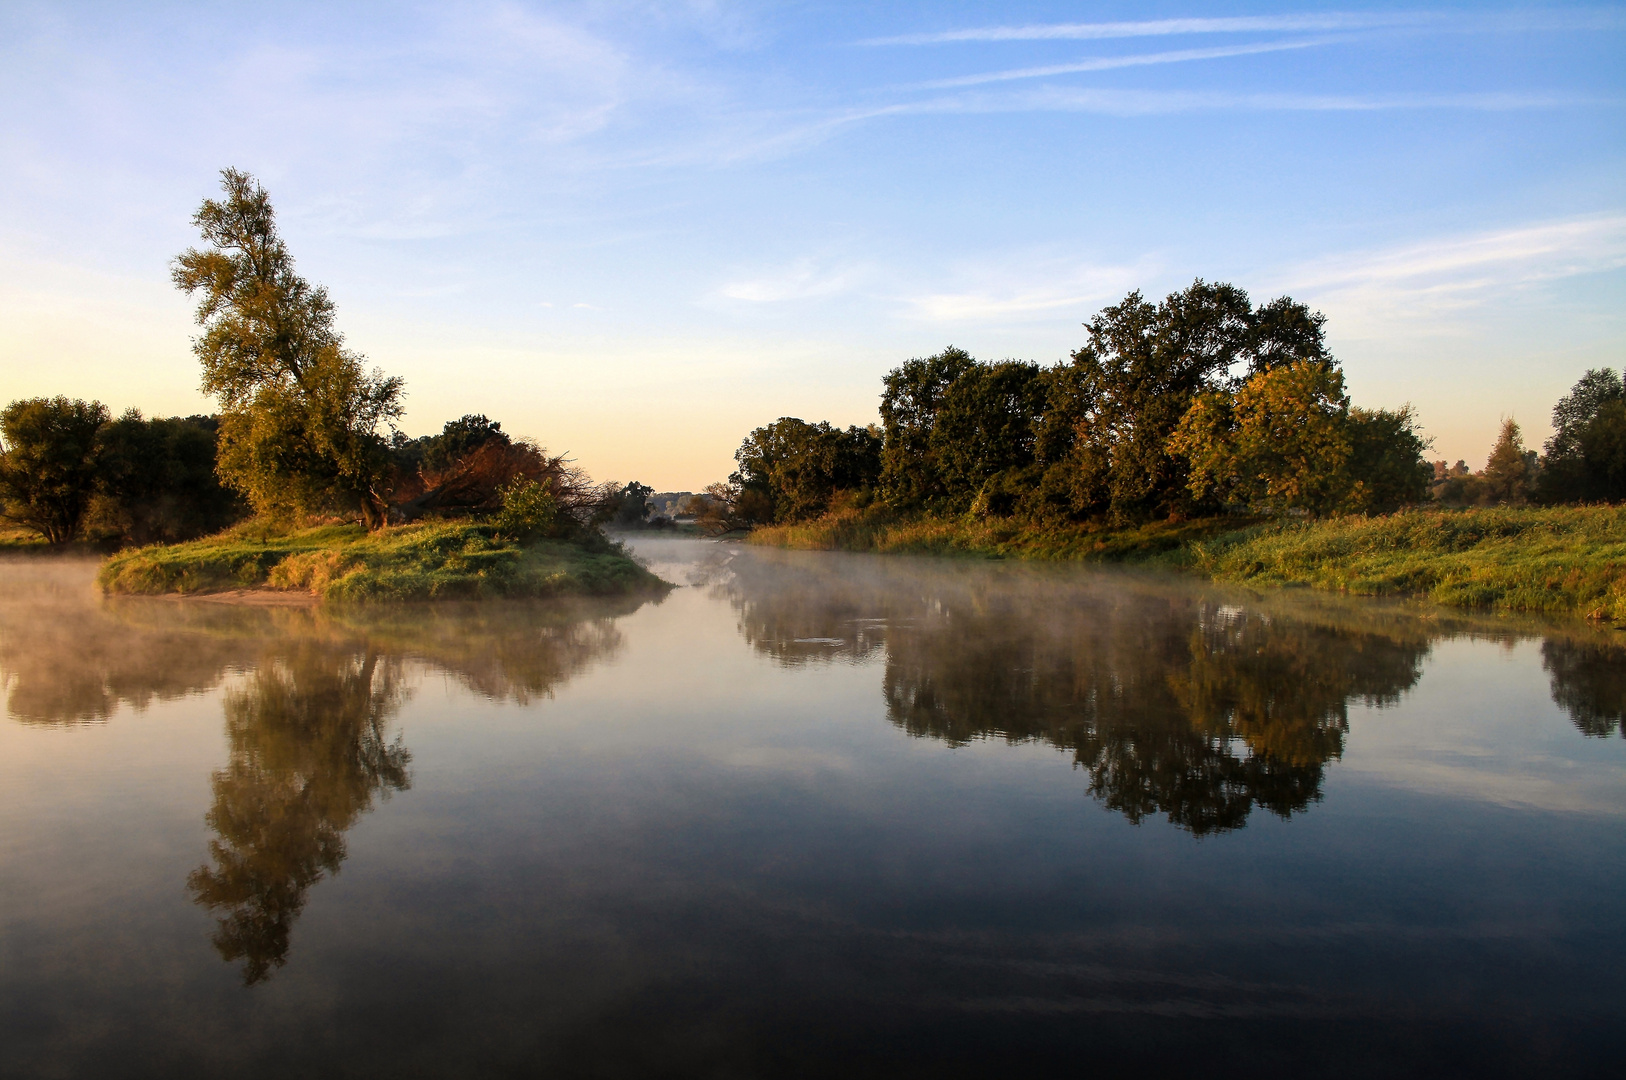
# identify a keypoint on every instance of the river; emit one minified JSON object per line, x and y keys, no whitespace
{"x":810,"y":814}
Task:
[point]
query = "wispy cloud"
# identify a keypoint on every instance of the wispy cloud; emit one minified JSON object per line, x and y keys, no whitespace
{"x":1424,"y":281}
{"x":1108,"y":63}
{"x":1147,"y":102}
{"x":1166,"y":27}
{"x":804,"y":279}
{"x":767,"y":135}
{"x":1024,"y":289}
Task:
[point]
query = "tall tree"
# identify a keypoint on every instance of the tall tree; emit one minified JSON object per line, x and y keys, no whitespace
{"x":790,"y":470}
{"x":48,"y":463}
{"x":983,"y":438}
{"x":1509,"y":471}
{"x":300,"y":412}
{"x":1586,"y":457}
{"x":910,"y":398}
{"x":1143,"y":367}
{"x":1386,"y":469}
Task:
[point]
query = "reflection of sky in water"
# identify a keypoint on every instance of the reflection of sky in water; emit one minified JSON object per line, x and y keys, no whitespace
{"x":809,"y":811}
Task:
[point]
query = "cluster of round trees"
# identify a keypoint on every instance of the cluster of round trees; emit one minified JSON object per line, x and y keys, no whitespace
{"x":67,"y":467}
{"x":1200,"y":404}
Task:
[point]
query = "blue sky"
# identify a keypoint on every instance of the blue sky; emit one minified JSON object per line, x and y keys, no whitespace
{"x":636,"y":230}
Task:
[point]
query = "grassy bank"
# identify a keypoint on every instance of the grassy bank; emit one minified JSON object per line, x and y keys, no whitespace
{"x":413,"y":562}
{"x":1563,"y":560}
{"x":895,"y":534}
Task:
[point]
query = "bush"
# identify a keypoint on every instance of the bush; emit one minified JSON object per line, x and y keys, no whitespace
{"x":529,"y":511}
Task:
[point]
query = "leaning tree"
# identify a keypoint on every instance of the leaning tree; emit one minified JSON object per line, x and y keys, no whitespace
{"x":301,"y":413}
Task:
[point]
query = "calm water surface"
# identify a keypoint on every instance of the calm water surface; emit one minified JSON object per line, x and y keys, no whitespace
{"x":809,"y":814}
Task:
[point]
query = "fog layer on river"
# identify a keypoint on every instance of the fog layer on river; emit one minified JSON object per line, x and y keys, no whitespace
{"x":809,"y":814}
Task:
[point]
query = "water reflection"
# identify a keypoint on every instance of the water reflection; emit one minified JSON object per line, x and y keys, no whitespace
{"x":1589,"y":681}
{"x":68,"y":658}
{"x":307,"y":724}
{"x":1172,"y":702}
{"x":509,"y":651}
{"x":308,"y":754}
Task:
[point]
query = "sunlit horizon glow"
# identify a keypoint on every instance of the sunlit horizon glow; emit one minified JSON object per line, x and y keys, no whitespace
{"x":635,"y":231}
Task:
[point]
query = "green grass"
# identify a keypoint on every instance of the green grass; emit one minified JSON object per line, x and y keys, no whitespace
{"x":456,"y":559}
{"x":15,"y":541}
{"x":890,"y":533}
{"x":1564,"y":560}
{"x":1558,"y":560}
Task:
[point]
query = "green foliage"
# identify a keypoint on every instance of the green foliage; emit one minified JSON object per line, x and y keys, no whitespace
{"x":1089,"y":439}
{"x":791,"y":470}
{"x":1510,"y":470}
{"x":1288,"y":440}
{"x":1385,"y":470}
{"x":1509,"y":477}
{"x":49,"y":462}
{"x":982,"y":439}
{"x":1586,"y":457}
{"x":910,"y":397}
{"x":1560,"y":560}
{"x":1279,"y":443}
{"x":413,"y":562}
{"x":468,"y":468}
{"x":627,"y":506}
{"x":157,"y":480}
{"x":883,"y":530}
{"x":529,"y":511}
{"x":299,"y":431}
{"x":1142,"y":370}
{"x":457,"y":439}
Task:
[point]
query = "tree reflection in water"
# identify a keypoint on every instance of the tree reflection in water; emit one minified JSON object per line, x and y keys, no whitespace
{"x":1171,"y":703}
{"x":1589,"y":681}
{"x":1189,"y":709}
{"x":309,"y":751}
{"x":308,"y":755}
{"x":307,"y":726}
{"x":1171,"y":700}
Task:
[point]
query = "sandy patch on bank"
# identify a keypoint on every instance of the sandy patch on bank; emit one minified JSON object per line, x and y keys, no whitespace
{"x":258,"y":597}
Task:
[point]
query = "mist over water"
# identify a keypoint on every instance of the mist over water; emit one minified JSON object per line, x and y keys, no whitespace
{"x":809,"y":814}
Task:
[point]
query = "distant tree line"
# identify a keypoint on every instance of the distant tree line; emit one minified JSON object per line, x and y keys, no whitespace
{"x":68,"y":471}
{"x":67,"y":468}
{"x":1583,"y":462}
{"x":1200,"y":404}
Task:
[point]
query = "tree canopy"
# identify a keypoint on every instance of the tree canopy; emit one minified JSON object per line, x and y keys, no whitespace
{"x":1586,"y":457}
{"x":300,"y":413}
{"x":48,"y":466}
{"x":1200,"y":403}
{"x":1142,"y":369}
{"x":791,"y":470}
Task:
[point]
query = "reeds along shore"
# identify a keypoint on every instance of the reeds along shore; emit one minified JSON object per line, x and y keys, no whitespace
{"x":1558,"y":560}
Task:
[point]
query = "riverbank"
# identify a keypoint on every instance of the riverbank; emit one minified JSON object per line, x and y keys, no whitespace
{"x":1559,"y":560}
{"x":441,"y":560}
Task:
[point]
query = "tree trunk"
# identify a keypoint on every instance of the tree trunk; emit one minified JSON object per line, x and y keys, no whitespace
{"x":374,"y":513}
